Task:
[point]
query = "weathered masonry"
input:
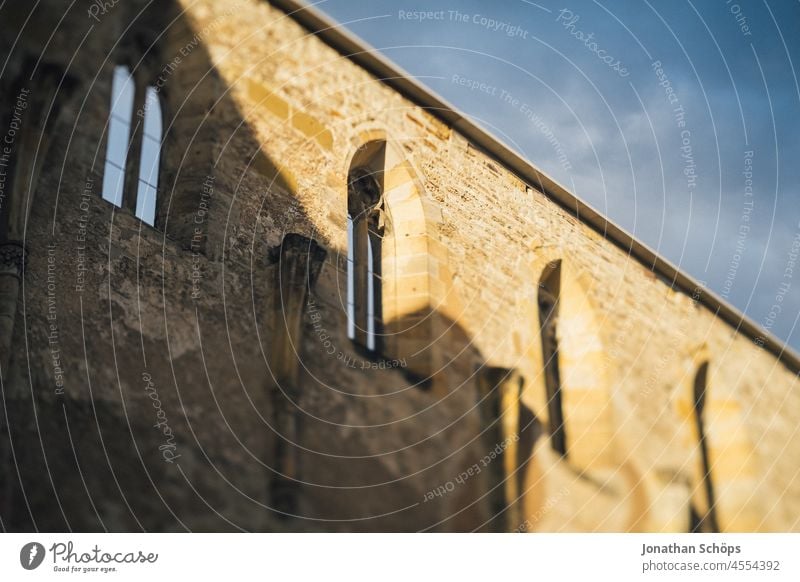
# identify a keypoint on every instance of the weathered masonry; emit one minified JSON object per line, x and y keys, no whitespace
{"x":253,"y":277}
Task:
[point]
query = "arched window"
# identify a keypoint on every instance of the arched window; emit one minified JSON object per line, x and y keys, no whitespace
{"x":119,"y":133}
{"x":704,"y":520}
{"x":123,"y":92}
{"x":548,"y":302}
{"x":149,"y":159}
{"x":391,"y":259}
{"x":364,"y":238}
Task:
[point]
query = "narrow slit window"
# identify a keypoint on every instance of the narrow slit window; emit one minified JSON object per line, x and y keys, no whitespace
{"x":351,"y":275}
{"x":703,"y":521}
{"x":370,"y":298}
{"x":548,"y":301}
{"x":150,"y":157}
{"x":364,"y":237}
{"x":119,"y":132}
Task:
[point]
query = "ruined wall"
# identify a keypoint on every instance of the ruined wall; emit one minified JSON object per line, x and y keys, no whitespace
{"x":264,"y":120}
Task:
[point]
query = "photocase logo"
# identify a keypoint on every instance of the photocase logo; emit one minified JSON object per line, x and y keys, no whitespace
{"x":31,"y":555}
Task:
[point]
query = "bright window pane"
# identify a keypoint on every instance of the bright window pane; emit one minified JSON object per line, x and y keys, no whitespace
{"x":351,"y":286}
{"x":119,"y":131}
{"x":149,"y":160}
{"x":113,"y":183}
{"x":370,"y":299}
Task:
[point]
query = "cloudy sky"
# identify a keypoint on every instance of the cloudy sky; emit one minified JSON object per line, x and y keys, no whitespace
{"x":661,"y":150}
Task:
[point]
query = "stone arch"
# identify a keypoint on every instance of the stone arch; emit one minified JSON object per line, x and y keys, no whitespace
{"x":413,"y":263}
{"x":585,"y":393}
{"x":141,"y":52}
{"x":593,"y":470}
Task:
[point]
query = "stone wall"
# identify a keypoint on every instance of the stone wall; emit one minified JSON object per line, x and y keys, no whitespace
{"x":263,"y":122}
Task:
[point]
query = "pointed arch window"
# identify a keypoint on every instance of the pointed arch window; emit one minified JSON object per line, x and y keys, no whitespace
{"x":364,"y":241}
{"x":119,"y":134}
{"x":704,"y":520}
{"x":548,"y":303}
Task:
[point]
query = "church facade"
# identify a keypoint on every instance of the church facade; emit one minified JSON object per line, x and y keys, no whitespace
{"x":255,"y":278}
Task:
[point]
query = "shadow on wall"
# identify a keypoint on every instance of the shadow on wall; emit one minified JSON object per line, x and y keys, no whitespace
{"x":132,"y":401}
{"x":143,"y":391}
{"x":200,"y":374}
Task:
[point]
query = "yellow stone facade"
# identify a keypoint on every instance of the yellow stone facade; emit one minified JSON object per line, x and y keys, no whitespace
{"x":472,"y":239}
{"x":466,"y":242}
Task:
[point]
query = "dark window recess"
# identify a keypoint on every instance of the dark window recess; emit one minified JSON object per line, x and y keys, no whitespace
{"x":706,"y":522}
{"x":548,"y":300}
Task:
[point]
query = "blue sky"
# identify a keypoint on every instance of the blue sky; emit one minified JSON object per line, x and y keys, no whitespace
{"x":669,"y":167}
